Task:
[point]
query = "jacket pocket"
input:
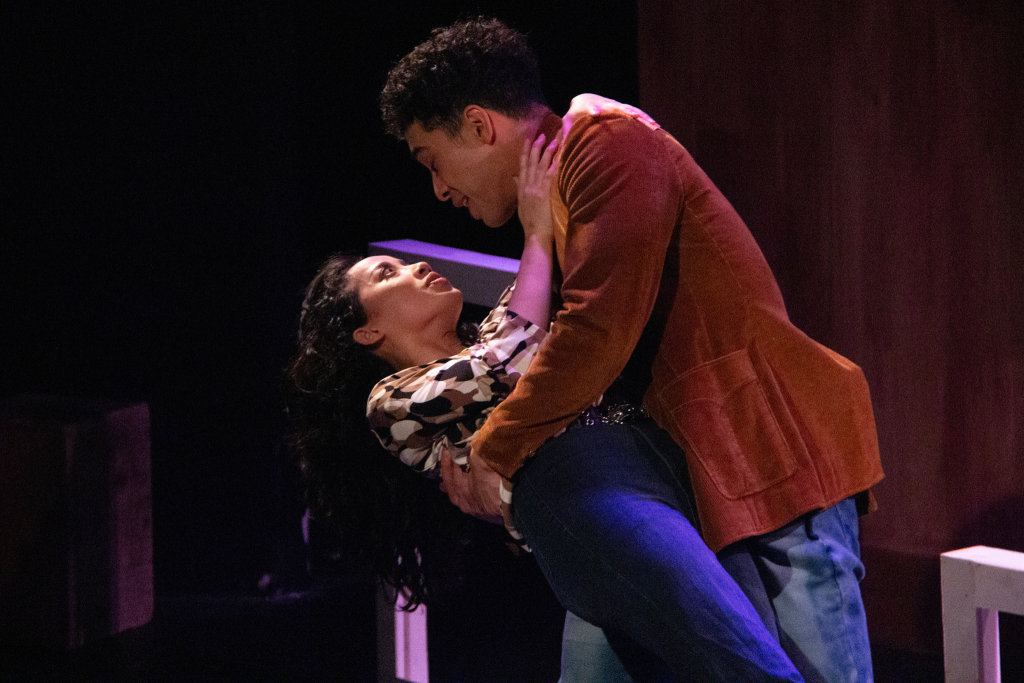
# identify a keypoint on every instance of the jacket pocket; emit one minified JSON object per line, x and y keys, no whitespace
{"x":729,"y":426}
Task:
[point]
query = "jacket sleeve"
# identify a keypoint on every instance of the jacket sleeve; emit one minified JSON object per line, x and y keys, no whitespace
{"x":623,"y":199}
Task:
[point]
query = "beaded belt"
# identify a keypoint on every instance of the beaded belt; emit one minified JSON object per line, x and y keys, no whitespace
{"x":611,"y":414}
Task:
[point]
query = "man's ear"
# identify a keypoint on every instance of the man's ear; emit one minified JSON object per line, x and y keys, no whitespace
{"x":367,"y":336}
{"x":478,"y":124}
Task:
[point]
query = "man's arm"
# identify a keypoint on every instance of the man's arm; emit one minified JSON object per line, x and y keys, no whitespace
{"x":623,"y":196}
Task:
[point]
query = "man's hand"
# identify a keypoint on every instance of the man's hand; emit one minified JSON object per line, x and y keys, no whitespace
{"x":475,"y":492}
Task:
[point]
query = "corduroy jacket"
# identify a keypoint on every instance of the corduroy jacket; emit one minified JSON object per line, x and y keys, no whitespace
{"x":773,"y":424}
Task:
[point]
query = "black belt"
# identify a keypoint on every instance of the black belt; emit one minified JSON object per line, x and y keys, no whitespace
{"x":611,"y":413}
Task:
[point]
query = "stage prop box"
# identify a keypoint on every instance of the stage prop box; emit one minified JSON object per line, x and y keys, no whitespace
{"x":76,"y":542}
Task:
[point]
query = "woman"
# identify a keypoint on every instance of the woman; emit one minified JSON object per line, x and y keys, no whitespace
{"x":381,"y":318}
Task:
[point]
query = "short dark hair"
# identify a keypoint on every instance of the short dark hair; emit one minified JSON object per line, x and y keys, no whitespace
{"x":478,"y":61}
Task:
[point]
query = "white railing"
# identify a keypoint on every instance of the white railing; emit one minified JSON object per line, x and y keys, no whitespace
{"x":977,"y":584}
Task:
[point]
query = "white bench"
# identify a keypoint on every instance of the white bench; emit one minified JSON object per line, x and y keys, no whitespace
{"x":977,"y":584}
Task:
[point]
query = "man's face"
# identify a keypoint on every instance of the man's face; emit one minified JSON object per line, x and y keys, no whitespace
{"x":468,"y":170}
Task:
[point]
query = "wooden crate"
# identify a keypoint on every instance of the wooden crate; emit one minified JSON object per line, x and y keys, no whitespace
{"x":76,"y":541}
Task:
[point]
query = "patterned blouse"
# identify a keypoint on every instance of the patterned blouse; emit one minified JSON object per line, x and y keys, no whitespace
{"x":419,"y":412}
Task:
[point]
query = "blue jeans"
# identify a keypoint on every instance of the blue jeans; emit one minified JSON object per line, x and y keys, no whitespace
{"x":587,"y":656}
{"x":607,"y":510}
{"x":804,"y":580}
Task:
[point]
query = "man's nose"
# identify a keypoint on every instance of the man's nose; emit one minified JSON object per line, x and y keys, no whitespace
{"x":441,"y":191}
{"x":421,"y":269}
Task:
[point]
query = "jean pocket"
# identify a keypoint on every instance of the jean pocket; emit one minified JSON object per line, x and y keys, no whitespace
{"x":728,"y":424}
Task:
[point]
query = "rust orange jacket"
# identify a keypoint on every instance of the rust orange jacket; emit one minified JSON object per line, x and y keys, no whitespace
{"x":773,"y":424}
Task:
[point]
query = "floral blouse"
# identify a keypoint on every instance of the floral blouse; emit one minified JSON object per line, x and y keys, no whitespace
{"x":420,"y":411}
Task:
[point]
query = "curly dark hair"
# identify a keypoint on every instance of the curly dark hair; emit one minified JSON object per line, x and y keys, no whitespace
{"x":390,"y":521}
{"x":478,"y":61}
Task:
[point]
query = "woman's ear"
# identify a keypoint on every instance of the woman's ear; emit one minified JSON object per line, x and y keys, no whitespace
{"x":367,"y":336}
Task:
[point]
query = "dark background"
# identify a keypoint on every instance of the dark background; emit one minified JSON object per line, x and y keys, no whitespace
{"x":173,"y":175}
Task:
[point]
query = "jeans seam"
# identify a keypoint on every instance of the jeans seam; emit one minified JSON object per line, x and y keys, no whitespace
{"x":524,"y":529}
{"x":832,"y":547}
{"x":851,"y":660}
{"x":692,"y":516}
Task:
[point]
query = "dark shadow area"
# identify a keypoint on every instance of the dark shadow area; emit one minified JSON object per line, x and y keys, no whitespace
{"x":897,"y":666}
{"x":503,"y":625}
{"x":499,"y":623}
{"x":999,"y":526}
{"x":323,"y":633}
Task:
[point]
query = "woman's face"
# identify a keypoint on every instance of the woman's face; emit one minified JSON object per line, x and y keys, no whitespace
{"x":405,"y":299}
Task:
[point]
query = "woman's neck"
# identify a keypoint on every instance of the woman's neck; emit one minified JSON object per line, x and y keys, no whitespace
{"x":412,"y":352}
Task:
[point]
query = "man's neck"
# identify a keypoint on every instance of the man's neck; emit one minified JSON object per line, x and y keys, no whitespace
{"x":540,"y":120}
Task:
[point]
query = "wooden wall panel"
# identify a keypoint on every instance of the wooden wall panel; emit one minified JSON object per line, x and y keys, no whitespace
{"x":877,"y":152}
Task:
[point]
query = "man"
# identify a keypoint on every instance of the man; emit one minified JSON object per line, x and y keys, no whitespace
{"x":666,"y":299}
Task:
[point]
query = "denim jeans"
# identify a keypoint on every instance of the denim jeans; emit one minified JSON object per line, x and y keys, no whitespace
{"x":804,"y":580}
{"x":587,"y":656}
{"x":607,"y":510}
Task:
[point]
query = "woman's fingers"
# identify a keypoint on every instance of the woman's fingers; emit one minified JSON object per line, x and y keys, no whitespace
{"x":533,"y":185}
{"x":548,"y":157}
{"x":529,"y":158}
{"x":535,"y":153}
{"x":524,"y":158}
{"x":535,"y":163}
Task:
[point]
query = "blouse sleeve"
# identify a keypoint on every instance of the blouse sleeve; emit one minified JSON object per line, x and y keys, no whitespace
{"x":418,"y":412}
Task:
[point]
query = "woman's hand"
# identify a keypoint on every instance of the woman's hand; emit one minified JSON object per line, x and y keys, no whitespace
{"x":536,"y":170}
{"x":531,"y":297}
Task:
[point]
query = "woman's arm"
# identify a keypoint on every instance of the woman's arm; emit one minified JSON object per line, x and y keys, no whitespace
{"x":531,"y":297}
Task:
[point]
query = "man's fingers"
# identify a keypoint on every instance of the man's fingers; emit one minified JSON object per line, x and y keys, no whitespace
{"x":447,"y":472}
{"x":446,"y":464}
{"x":453,"y":484}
